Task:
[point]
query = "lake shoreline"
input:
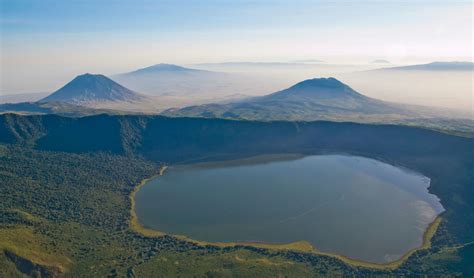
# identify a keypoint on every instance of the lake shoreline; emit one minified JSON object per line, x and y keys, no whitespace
{"x":135,"y":224}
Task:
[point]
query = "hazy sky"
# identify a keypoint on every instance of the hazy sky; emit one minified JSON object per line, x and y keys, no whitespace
{"x":44,"y":43}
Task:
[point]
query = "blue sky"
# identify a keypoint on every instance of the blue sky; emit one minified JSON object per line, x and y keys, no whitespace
{"x":85,"y":16}
{"x":116,"y":35}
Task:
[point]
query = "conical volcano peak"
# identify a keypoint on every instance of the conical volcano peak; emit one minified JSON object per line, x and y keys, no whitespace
{"x":320,"y":83}
{"x":319,"y":87}
{"x":91,"y":88}
{"x":90,"y":76}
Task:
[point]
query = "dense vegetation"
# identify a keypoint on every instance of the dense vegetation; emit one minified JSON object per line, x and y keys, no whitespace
{"x":65,"y":185}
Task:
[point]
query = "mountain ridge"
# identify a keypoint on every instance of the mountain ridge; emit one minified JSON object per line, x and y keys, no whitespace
{"x":162,"y":67}
{"x":174,"y":80}
{"x":437,"y":66}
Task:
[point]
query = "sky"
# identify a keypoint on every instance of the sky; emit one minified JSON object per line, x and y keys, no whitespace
{"x":45,"y":43}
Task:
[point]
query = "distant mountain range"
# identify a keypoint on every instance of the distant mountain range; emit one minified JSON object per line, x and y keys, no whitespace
{"x":445,"y":85}
{"x":297,"y":64}
{"x":23,"y":97}
{"x":158,"y":68}
{"x":309,"y":100}
{"x":331,"y":100}
{"x":90,"y":89}
{"x":380,"y":61}
{"x":438,"y":66}
{"x":309,"y":61}
{"x":173,"y":80}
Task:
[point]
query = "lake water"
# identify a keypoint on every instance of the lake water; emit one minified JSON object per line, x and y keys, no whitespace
{"x":357,"y":207}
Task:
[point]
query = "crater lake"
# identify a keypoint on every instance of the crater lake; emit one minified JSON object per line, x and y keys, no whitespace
{"x":353,"y":206}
